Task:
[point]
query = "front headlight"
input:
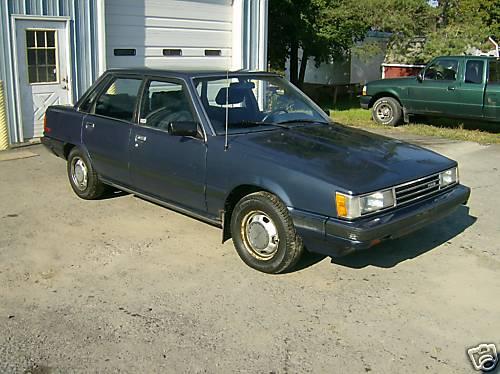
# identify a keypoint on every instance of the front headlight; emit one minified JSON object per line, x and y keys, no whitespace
{"x":351,"y":207}
{"x":448,"y":177}
{"x":364,"y":91}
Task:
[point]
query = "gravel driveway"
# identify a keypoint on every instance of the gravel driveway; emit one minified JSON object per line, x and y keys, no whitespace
{"x":121,"y":284}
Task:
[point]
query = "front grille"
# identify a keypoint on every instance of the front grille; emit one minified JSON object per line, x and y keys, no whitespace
{"x":417,"y":189}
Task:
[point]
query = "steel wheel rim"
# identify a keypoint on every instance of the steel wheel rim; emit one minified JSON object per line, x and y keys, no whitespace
{"x":384,"y":112}
{"x":260,"y":235}
{"x":79,"y":173}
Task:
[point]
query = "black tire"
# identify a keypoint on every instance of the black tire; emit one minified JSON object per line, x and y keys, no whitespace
{"x":283,"y":249}
{"x":387,"y":111}
{"x":93,"y":188}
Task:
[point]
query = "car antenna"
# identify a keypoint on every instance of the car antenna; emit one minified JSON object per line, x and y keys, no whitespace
{"x":227,"y":109}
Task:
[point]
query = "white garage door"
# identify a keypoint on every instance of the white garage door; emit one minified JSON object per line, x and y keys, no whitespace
{"x":172,"y":34}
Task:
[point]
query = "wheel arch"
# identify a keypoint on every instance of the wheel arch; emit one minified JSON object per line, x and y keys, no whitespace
{"x":239,"y":192}
{"x":384,"y":94}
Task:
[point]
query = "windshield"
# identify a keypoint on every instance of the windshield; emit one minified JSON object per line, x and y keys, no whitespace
{"x":255,"y":103}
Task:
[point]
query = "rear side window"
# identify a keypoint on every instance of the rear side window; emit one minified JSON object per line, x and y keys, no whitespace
{"x":442,"y":70}
{"x":474,"y":72}
{"x":119,"y":100}
{"x":494,"y":73}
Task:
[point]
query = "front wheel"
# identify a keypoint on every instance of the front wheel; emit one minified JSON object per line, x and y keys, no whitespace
{"x":387,"y":111}
{"x":264,"y":235}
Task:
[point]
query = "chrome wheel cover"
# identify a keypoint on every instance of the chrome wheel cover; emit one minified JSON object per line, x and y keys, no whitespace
{"x":384,"y":112}
{"x":79,"y":173}
{"x":260,"y":235}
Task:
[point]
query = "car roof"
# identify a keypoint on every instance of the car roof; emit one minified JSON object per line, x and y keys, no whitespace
{"x":186,"y":74}
{"x":470,"y":57}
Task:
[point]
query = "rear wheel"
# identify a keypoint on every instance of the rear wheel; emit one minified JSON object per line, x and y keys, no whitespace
{"x":387,"y":111}
{"x":264,"y":235}
{"x":82,"y":176}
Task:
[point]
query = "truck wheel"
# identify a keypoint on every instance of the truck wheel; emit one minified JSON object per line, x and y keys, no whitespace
{"x":387,"y":111}
{"x":264,"y":235}
{"x":82,"y":176}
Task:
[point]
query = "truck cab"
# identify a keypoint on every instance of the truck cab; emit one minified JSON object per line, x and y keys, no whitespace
{"x":450,"y":86}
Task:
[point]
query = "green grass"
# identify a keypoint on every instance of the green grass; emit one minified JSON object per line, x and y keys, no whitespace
{"x":349,"y":113}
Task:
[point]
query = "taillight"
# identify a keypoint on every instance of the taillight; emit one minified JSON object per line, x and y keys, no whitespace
{"x":46,"y":129}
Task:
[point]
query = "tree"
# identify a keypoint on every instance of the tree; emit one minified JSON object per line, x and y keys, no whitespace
{"x":322,"y":29}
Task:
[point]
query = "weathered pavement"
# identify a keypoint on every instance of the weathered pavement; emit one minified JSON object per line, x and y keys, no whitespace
{"x":125,"y":285}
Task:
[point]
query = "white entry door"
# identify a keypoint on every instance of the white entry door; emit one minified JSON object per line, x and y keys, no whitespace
{"x":42,"y":70}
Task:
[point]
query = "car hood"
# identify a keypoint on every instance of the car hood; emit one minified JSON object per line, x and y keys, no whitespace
{"x":354,"y":160}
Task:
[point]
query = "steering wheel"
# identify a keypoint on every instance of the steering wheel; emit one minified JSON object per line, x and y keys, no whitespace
{"x":439,"y":75}
{"x":273,"y":112}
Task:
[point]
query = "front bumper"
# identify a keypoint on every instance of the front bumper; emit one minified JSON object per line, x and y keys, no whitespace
{"x":364,"y":101}
{"x":336,"y":238}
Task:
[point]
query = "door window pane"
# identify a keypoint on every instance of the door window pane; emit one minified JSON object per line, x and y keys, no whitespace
{"x":164,"y":103}
{"x":442,"y":70}
{"x":41,"y":56}
{"x":40,"y":39}
{"x":494,"y":73}
{"x":474,"y":72}
{"x":119,"y":100}
{"x":30,"y":38}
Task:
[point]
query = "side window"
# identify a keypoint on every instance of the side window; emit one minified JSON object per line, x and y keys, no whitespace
{"x":89,"y":102}
{"x":442,"y":70}
{"x":494,"y":73}
{"x":474,"y":72}
{"x":165,"y":102}
{"x":119,"y":100}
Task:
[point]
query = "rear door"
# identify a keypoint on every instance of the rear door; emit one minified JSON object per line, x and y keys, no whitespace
{"x":492,"y":92}
{"x":470,"y":91}
{"x":107,"y":127}
{"x":170,"y":168}
{"x":437,"y":94}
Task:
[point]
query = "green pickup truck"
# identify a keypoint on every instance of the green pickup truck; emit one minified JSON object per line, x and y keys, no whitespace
{"x":453,"y":86}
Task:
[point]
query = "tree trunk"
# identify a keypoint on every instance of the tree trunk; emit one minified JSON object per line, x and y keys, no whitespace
{"x":303,"y":65}
{"x":294,"y":61}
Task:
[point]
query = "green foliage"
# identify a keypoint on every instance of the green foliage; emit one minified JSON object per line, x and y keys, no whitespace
{"x":329,"y":29}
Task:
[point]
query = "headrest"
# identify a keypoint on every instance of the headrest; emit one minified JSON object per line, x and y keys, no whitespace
{"x":236,"y":93}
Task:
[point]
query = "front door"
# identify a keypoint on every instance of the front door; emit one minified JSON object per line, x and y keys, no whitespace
{"x":42,"y":70}
{"x":171,"y":168}
{"x":437,"y":93}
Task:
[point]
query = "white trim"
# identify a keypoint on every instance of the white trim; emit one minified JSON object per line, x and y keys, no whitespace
{"x":403,"y":66}
{"x":39,"y":18}
{"x":237,"y":45}
{"x":17,"y":84}
{"x":101,"y":37}
{"x":263,"y":11}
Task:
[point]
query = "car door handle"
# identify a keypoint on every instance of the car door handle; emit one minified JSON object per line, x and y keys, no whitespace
{"x":89,"y":125}
{"x":452,"y":88}
{"x":140,"y":138}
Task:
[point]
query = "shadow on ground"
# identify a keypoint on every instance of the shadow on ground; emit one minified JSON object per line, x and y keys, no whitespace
{"x":391,"y":253}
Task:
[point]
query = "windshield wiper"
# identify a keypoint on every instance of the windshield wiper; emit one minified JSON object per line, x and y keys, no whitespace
{"x":302,"y":121}
{"x":255,"y":123}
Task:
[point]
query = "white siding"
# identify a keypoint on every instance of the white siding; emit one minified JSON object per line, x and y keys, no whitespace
{"x":150,"y":26}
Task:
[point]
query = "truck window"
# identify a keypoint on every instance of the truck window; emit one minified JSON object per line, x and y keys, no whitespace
{"x":119,"y":100}
{"x":494,"y":73}
{"x":165,"y":102}
{"x":442,"y":70}
{"x":474,"y":72}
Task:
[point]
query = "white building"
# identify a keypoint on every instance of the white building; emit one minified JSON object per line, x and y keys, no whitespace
{"x":52,"y":50}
